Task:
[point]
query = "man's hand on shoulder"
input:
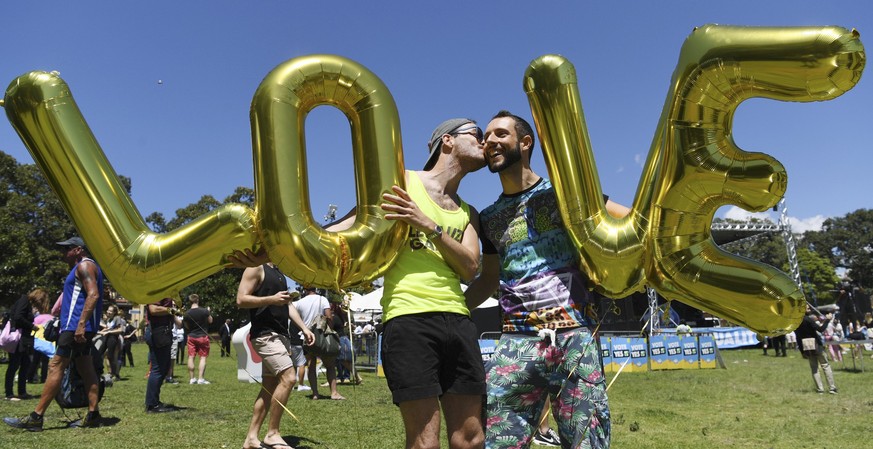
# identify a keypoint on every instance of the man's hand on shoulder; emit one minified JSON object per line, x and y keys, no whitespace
{"x":248,"y":258}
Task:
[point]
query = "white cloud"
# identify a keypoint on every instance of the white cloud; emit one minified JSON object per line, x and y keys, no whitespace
{"x":801,"y":225}
{"x":736,"y":213}
{"x":620,"y":169}
{"x":639,"y":159}
{"x":798,"y":225}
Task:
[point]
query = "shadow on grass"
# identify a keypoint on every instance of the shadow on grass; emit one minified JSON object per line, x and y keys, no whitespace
{"x":298,"y":442}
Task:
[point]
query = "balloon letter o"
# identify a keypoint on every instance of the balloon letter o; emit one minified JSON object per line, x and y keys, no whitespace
{"x":300,"y":247}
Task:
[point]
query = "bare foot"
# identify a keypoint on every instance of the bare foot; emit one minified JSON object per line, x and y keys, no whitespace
{"x":275,"y":442}
{"x":251,"y":444}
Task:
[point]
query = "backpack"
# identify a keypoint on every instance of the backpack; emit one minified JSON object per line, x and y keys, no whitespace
{"x":72,"y":393}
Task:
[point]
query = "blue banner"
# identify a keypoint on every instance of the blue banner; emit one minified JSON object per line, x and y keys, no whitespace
{"x":639,"y":354}
{"x":621,"y":354}
{"x":658,"y":351}
{"x":690,"y":358}
{"x":487,"y":348}
{"x":606,"y":354}
{"x":730,"y":337}
{"x":707,"y":351}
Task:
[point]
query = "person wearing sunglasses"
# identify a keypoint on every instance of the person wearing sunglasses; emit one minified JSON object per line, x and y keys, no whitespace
{"x":430,"y":349}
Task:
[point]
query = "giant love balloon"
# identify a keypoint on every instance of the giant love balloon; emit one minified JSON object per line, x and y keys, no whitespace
{"x":145,"y":266}
{"x":693,"y":168}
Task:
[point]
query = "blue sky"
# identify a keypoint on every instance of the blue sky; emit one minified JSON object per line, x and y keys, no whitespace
{"x":166,"y":86}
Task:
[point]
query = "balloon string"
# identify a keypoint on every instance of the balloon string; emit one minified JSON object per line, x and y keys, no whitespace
{"x":614,"y":309}
{"x":271,"y":395}
{"x":347,"y":306}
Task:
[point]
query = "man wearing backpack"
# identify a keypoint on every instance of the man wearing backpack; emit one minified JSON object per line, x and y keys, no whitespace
{"x":81,"y":308}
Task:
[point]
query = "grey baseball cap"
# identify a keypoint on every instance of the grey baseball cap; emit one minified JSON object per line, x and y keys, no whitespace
{"x":436,"y":139}
{"x":73,"y":241}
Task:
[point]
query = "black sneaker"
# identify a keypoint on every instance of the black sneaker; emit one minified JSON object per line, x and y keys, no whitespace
{"x":29,"y":422}
{"x":162,"y":408}
{"x":550,"y":438}
{"x":92,"y":419}
{"x":170,"y":380}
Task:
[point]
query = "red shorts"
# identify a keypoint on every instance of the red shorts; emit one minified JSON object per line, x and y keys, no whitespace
{"x":198,"y":346}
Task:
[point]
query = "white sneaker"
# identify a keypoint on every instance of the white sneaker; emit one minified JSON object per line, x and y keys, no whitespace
{"x":192,"y":381}
{"x":303,"y":388}
{"x":203,"y":382}
{"x":549,"y":438}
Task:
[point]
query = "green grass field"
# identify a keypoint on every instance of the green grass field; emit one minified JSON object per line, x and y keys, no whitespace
{"x":757,"y":402}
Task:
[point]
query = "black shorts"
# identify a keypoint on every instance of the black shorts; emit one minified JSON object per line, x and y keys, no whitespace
{"x":69,"y":348}
{"x":429,"y":354}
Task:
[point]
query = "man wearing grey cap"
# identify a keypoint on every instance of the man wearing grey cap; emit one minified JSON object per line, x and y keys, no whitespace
{"x":430,"y":350}
{"x":81,"y":308}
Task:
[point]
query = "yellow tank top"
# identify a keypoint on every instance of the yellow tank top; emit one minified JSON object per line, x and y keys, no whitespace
{"x":420,"y":280}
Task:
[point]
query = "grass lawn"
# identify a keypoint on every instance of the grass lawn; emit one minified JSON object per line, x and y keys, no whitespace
{"x":757,"y":402}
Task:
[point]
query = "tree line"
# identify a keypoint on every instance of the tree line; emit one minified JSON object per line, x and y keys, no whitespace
{"x":32,"y":220}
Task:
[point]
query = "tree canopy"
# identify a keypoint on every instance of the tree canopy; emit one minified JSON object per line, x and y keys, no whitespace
{"x":847,"y":242}
{"x":32,"y":220}
{"x":817,"y":274}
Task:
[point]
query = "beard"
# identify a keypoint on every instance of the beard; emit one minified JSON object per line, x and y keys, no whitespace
{"x":510,"y":157}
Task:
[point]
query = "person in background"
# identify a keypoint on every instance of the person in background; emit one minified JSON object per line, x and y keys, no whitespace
{"x":834,"y":333}
{"x":21,"y":317}
{"x":175,"y":349}
{"x":197,"y":321}
{"x":812,"y":347}
{"x":181,"y":340}
{"x":683,"y":328}
{"x":161,"y":316}
{"x":312,"y":307}
{"x":39,"y":361}
{"x":779,"y":343}
{"x":81,"y":308}
{"x":344,"y":366}
{"x":263,"y":290}
{"x":224,"y":335}
{"x":791,"y":339}
{"x":129,"y":337}
{"x":111,"y":332}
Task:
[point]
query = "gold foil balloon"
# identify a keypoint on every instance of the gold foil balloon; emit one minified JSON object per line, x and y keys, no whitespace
{"x":300,"y":247}
{"x":693,"y":168}
{"x":143,"y":266}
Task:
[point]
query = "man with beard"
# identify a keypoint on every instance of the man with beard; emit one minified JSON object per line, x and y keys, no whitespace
{"x":547,"y":347}
{"x":430,"y":350}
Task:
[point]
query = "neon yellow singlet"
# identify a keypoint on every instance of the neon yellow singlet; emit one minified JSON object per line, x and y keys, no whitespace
{"x":420,"y":280}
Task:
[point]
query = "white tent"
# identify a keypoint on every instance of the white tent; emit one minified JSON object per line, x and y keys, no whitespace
{"x":371,"y":301}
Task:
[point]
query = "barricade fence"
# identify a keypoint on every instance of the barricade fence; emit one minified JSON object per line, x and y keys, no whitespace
{"x":635,"y":353}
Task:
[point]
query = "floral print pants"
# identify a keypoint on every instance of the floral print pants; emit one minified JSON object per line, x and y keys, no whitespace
{"x":524,"y":369}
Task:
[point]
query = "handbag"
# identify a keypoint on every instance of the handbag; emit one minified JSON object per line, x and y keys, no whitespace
{"x":52,"y":329}
{"x":9,"y":338}
{"x":326,"y":342}
{"x":808,"y":344}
